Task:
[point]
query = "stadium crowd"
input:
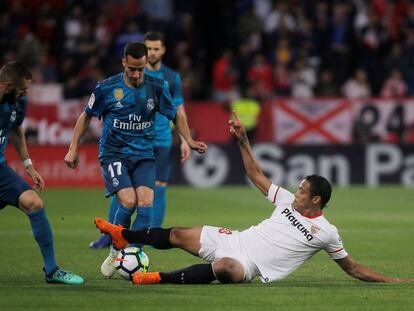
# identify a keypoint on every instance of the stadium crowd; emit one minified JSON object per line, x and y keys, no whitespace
{"x":222,"y":49}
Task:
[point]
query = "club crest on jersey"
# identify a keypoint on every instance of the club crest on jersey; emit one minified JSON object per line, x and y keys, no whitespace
{"x":115,"y":182}
{"x":150,"y":104}
{"x":118,"y":94}
{"x":91,"y":101}
{"x":13,"y":116}
{"x":315,"y":229}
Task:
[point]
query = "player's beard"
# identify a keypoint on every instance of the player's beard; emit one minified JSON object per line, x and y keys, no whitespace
{"x":11,"y":97}
{"x":134,"y":82}
{"x":155,"y":62}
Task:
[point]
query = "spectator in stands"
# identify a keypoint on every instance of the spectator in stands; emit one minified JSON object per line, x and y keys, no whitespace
{"x":358,"y":86}
{"x":394,"y":86}
{"x":303,"y":79}
{"x":373,"y":41}
{"x":260,"y":76}
{"x":326,"y":86}
{"x":131,"y":33}
{"x":248,"y":109}
{"x":395,"y":60}
{"x":224,"y":77}
{"x":282,"y":80}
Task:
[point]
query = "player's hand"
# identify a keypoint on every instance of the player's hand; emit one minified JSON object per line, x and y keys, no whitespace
{"x":39,"y":183}
{"x":72,"y":159}
{"x":198,"y":146}
{"x":236,"y":128}
{"x":185,"y":151}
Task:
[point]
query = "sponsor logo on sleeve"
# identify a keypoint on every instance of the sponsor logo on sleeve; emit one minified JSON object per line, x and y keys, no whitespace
{"x":91,"y":101}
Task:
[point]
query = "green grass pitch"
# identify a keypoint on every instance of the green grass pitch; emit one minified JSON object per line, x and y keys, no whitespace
{"x":376,"y":226}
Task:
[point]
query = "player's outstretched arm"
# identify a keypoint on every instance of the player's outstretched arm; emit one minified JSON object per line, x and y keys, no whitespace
{"x":19,"y":142}
{"x":365,"y":274}
{"x":182,"y":126}
{"x":184,"y":147}
{"x":82,"y":124}
{"x":253,"y":169}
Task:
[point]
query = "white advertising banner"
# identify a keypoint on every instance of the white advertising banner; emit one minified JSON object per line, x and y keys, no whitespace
{"x":312,"y":121}
{"x":389,"y":120}
{"x":332,"y":121}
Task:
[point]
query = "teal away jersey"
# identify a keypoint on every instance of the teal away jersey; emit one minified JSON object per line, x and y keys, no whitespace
{"x":129,"y":115}
{"x":11,"y":115}
{"x":163,"y":136}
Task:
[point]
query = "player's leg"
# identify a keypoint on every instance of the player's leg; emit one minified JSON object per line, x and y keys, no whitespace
{"x":126,"y":207}
{"x":118,"y":181}
{"x":104,"y":240}
{"x":163,"y":171}
{"x":144,"y":180}
{"x":187,"y":239}
{"x":160,"y":204}
{"x":215,"y":245}
{"x":226,"y":270}
{"x":16,"y":192}
{"x":32,"y":205}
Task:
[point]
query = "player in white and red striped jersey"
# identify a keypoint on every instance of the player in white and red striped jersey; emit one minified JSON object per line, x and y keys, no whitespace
{"x":274,"y":248}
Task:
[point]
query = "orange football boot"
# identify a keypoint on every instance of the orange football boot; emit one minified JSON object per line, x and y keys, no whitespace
{"x":142,"y":278}
{"x":114,"y":231}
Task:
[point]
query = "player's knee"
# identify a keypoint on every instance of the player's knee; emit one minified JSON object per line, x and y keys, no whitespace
{"x":128,"y":202}
{"x":177,"y":236}
{"x":228,"y":270}
{"x":145,"y":202}
{"x":161,"y":183}
{"x":34,"y":203}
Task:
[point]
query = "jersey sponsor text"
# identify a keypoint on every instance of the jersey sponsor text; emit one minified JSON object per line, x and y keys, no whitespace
{"x":296,"y":223}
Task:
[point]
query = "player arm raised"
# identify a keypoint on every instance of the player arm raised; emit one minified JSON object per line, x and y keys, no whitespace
{"x":363,"y":273}
{"x":251,"y":165}
{"x":181,"y":124}
{"x":82,"y":125}
{"x":19,"y":142}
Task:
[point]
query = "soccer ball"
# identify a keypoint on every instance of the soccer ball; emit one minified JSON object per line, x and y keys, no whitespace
{"x":131,"y":260}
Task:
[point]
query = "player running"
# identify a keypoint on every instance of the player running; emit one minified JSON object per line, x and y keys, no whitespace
{"x":271,"y":250}
{"x":154,"y":217}
{"x":127,"y":103}
{"x":15,"y":80}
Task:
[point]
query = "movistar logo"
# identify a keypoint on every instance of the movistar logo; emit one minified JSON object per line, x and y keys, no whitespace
{"x":296,"y":223}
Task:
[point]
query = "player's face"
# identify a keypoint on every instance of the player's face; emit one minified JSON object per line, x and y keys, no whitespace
{"x":14,"y":92}
{"x":303,"y":198}
{"x":134,"y":69}
{"x":155,"y":51}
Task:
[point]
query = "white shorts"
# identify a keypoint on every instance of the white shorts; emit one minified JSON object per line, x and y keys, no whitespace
{"x":217,"y":243}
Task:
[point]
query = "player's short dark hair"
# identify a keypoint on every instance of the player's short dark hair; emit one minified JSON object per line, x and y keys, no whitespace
{"x":135,"y":50}
{"x":155,"y":36}
{"x":320,"y":186}
{"x":15,"y":72}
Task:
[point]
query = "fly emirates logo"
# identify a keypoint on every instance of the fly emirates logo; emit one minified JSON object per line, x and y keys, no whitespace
{"x":296,"y":223}
{"x":134,"y":123}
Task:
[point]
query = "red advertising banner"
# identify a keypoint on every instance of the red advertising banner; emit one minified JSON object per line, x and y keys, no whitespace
{"x":51,"y":118}
{"x":48,"y":161}
{"x":208,"y":121}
